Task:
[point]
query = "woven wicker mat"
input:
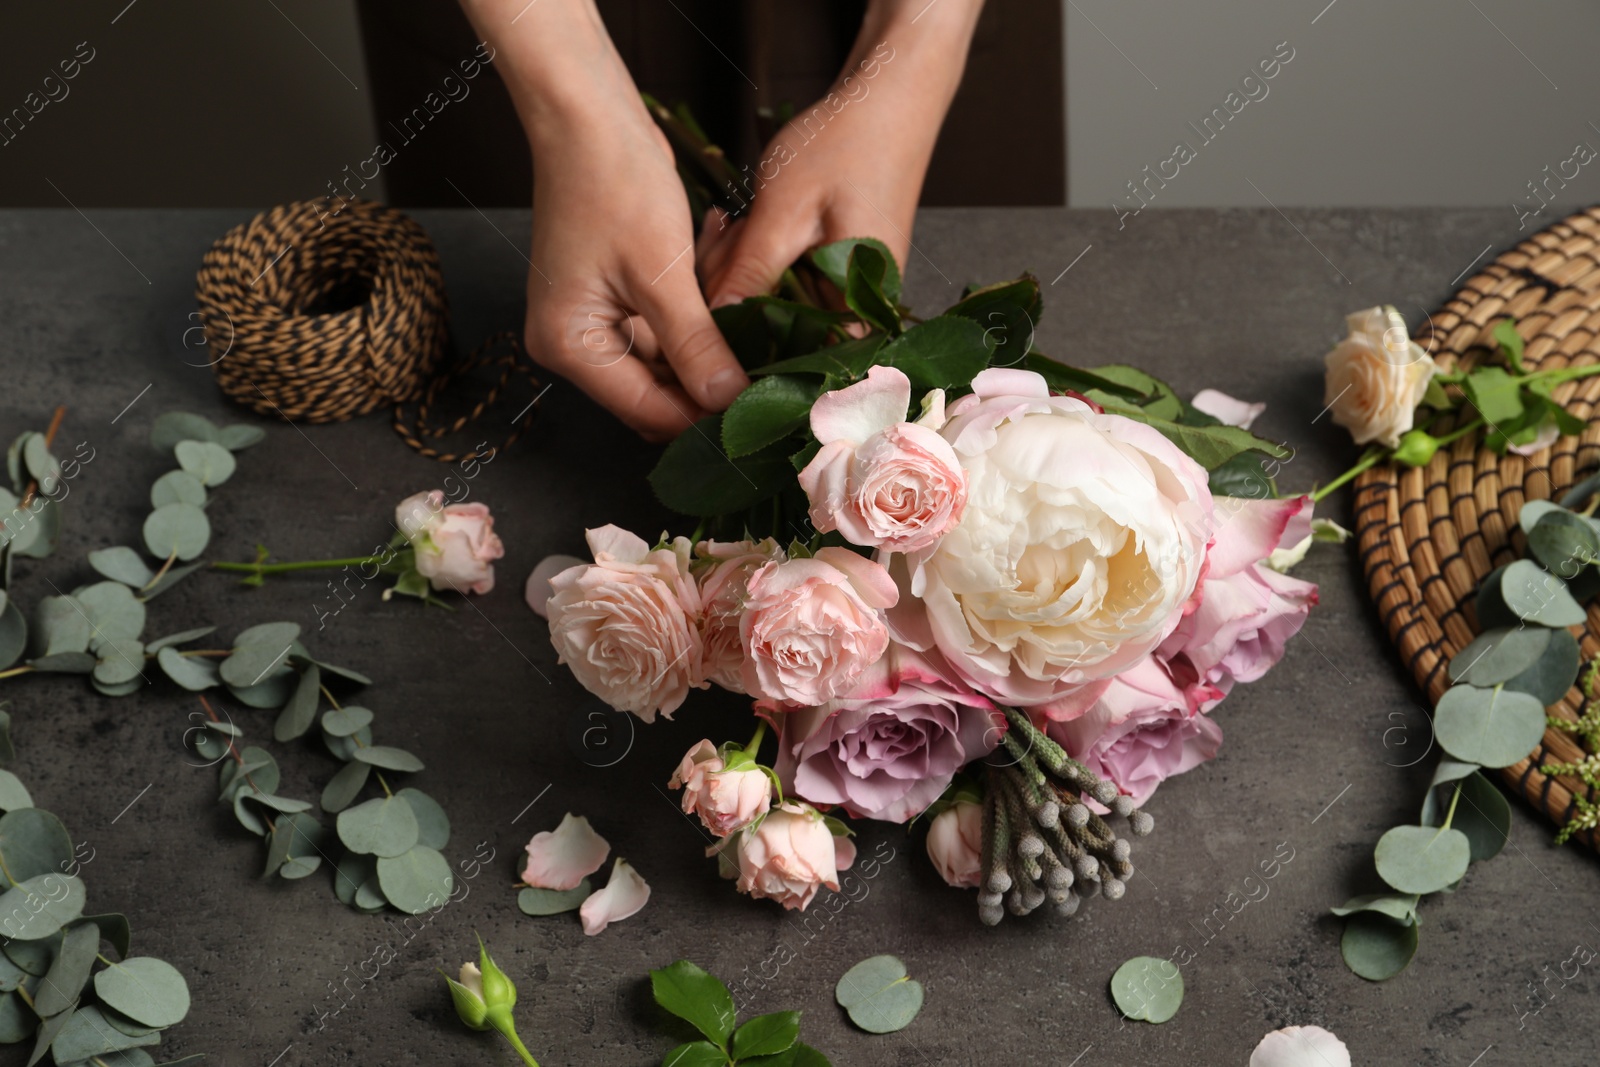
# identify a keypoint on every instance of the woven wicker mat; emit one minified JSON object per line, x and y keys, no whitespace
{"x":1429,"y":535}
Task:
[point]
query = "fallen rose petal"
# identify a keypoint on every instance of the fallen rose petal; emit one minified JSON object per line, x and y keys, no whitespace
{"x":625,"y":893}
{"x":1226,"y":409}
{"x":562,"y":858}
{"x":538,"y":590}
{"x":1300,"y":1046}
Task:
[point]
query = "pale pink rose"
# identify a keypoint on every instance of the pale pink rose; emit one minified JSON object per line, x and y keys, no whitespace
{"x":1300,"y":1046}
{"x":626,"y":625}
{"x":562,"y":858}
{"x":454,"y":545}
{"x":881,"y":481}
{"x":890,"y":747}
{"x":811,"y":627}
{"x":723,"y":570}
{"x":1083,"y":540}
{"x":789,"y":856}
{"x":955,"y":844}
{"x":1142,"y":731}
{"x":624,"y":894}
{"x":725,"y":800}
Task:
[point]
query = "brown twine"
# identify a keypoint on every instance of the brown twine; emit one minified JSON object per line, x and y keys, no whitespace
{"x":1429,"y":535}
{"x":332,"y":308}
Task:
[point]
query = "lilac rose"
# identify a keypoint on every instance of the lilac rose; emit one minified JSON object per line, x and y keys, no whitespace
{"x":890,"y":748}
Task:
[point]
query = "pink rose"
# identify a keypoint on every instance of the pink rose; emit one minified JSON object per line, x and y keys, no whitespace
{"x":454,"y":545}
{"x":811,"y":627}
{"x":625,"y":625}
{"x":1140,"y":732}
{"x":726,"y":800}
{"x":724,"y":569}
{"x":955,"y":844}
{"x":879,"y":480}
{"x":791,"y":855}
{"x":889,"y":748}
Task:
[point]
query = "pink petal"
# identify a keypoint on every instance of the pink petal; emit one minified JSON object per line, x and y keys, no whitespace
{"x":844,"y":853}
{"x":1008,"y":381}
{"x":1300,"y":1046}
{"x":869,"y":578}
{"x":613,"y":542}
{"x":1546,"y":437}
{"x":858,"y":411}
{"x":1248,"y":530}
{"x":538,"y":590}
{"x":562,"y":858}
{"x":1226,"y":409}
{"x":625,"y":893}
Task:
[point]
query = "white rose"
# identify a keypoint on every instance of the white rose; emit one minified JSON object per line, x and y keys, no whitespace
{"x":1376,"y":377}
{"x":1084,"y":536}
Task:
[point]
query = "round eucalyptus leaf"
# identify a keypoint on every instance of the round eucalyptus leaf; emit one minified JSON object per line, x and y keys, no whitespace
{"x":183,"y":637}
{"x":177,"y":529}
{"x":417,"y":880}
{"x":251,"y":663}
{"x":297,"y":867}
{"x":433,"y":825}
{"x":295,"y":835}
{"x":49,"y":1029}
{"x":1534,"y":510}
{"x":1422,"y":859}
{"x":122,"y":564}
{"x":127,"y":1026}
{"x":194,"y":673}
{"x":881,"y":998}
{"x":1401,"y":907}
{"x":34,"y":957}
{"x":1489,"y":604}
{"x":240,"y":436}
{"x":60,"y":624}
{"x":248,"y":816}
{"x":1535,"y":595}
{"x":1377,"y":948}
{"x":205,"y":744}
{"x":43,"y":466}
{"x":1491,"y":727}
{"x":389,"y":758}
{"x":352,"y":872}
{"x":119,"y":662}
{"x":226,"y":729}
{"x":275,"y":635}
{"x":1565,"y":543}
{"x":301,"y":709}
{"x":1483,"y":814}
{"x":1553,"y":673}
{"x":538,"y":902}
{"x":369,"y":897}
{"x":34,"y":532}
{"x":1449,"y":770}
{"x":113,"y":928}
{"x":64,"y":663}
{"x":343,"y":788}
{"x":1496,"y":656}
{"x":120,"y":690}
{"x":383,"y":826}
{"x":13,"y":794}
{"x":10,"y":973}
{"x":69,"y":972}
{"x":342,"y":722}
{"x":273,"y":691}
{"x":17,"y":1020}
{"x":344,"y":672}
{"x":345,"y":747}
{"x":276,"y":802}
{"x":206,"y":460}
{"x":145,"y":989}
{"x":173,"y":576}
{"x":13,"y":634}
{"x":39,"y":906}
{"x":175,"y":426}
{"x":177,"y":487}
{"x":258,"y":771}
{"x":34,"y":843}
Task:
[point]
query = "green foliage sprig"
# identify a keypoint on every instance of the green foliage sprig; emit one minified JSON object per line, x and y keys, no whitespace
{"x":703,"y":1001}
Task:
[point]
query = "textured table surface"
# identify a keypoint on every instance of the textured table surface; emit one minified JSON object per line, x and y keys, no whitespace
{"x":1320,"y":757}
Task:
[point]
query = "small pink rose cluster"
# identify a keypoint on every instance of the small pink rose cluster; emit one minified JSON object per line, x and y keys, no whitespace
{"x":454,"y":545}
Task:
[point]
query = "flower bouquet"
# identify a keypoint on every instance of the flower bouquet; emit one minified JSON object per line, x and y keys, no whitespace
{"x":958,"y":579}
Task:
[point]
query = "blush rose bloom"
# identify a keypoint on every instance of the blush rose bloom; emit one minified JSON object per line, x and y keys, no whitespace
{"x":1083,"y":539}
{"x":1142,"y":731}
{"x":454,"y":545}
{"x":879,"y":480}
{"x":723,"y":570}
{"x":1376,"y":377}
{"x":626,"y":624}
{"x":812,"y":627}
{"x":955,"y":844}
{"x":889,"y":748}
{"x":790,"y":856}
{"x":725,"y":800}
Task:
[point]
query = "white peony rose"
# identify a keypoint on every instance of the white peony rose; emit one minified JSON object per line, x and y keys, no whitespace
{"x":1376,"y":377}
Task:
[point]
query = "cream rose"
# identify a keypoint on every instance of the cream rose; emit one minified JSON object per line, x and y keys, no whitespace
{"x":1084,"y":536}
{"x":454,"y":545}
{"x":723,"y":572}
{"x":955,"y":844}
{"x":626,"y":624}
{"x":1376,"y":377}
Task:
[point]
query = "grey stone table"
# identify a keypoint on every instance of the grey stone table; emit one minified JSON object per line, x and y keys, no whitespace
{"x":93,"y":313}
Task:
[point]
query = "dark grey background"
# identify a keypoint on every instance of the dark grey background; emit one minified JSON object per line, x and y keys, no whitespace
{"x":93,"y":310}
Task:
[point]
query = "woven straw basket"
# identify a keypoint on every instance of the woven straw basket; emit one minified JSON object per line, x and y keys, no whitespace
{"x":1429,"y":535}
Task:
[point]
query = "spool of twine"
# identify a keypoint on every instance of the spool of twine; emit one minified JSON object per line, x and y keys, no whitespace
{"x":322,"y":310}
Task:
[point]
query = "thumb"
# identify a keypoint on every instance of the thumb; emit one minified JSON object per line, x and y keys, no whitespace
{"x":759,"y":257}
{"x":690,"y":341}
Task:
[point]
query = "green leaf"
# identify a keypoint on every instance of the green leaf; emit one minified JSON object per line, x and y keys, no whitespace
{"x":13,"y":794}
{"x":1209,"y":446}
{"x":1482,"y":813}
{"x":1245,"y":477}
{"x":194,"y":673}
{"x":50,"y":1029}
{"x":834,"y":261}
{"x":1061,"y":377}
{"x":301,"y":710}
{"x":177,"y":529}
{"x":8,"y":753}
{"x":1492,"y":727}
{"x":1565,"y":543}
{"x":744,"y":327}
{"x":369,"y":898}
{"x":1510,"y":342}
{"x":113,"y":610}
{"x":343,"y":672}
{"x":122,"y":564}
{"x":767,"y":1035}
{"x":177,"y":487}
{"x":1008,"y":312}
{"x":173,"y":576}
{"x":696,"y":997}
{"x":1535,"y":595}
{"x":1155,"y":397}
{"x":1148,"y":989}
{"x":389,"y":758}
{"x":384,"y":826}
{"x":342,"y":722}
{"x":417,"y":880}
{"x":113,"y":928}
{"x":44,"y":467}
{"x":294,"y":835}
{"x":941,"y":353}
{"x":175,"y":426}
{"x":343,"y":788}
{"x":695,"y":478}
{"x":273,"y":691}
{"x":1377,"y":948}
{"x":39,"y":906}
{"x":695,"y":1054}
{"x":240,"y":436}
{"x":538,"y":902}
{"x":345,"y":747}
{"x":69,"y":972}
{"x":866,"y":288}
{"x":1496,"y":395}
{"x":34,"y":844}
{"x":13,"y":633}
{"x":840,"y":364}
{"x":1553,"y":673}
{"x":433,"y":825}
{"x":768,"y":411}
{"x":60,"y":625}
{"x":1401,"y":907}
{"x":87,"y":1035}
{"x":354,"y":871}
{"x":64,"y":663}
{"x":879,"y":995}
{"x":206,"y":460}
{"x":250,"y":664}
{"x":1421,"y":859}
{"x":1499,"y":655}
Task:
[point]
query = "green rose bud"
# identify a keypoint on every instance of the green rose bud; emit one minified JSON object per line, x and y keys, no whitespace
{"x":468,"y":997}
{"x":1416,"y":448}
{"x":499,"y":995}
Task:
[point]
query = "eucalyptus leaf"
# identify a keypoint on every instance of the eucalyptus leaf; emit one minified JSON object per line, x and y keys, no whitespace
{"x":49,"y":1029}
{"x":40,"y":530}
{"x":39,"y":906}
{"x":1148,"y":989}
{"x":113,"y":928}
{"x":878,"y":995}
{"x":273,"y":635}
{"x":177,"y":529}
{"x":34,"y":957}
{"x":389,"y":758}
{"x":1401,"y":907}
{"x":433,"y":825}
{"x":1565,"y":543}
{"x":122,"y":564}
{"x":342,"y":722}
{"x":13,"y":634}
{"x":174,"y":426}
{"x":254,"y":769}
{"x":34,"y":843}
{"x":43,"y":466}
{"x":343,"y":788}
{"x":145,"y":989}
{"x":60,"y":625}
{"x":343,"y":672}
{"x":369,"y":898}
{"x":240,"y":436}
{"x":1497,"y":656}
{"x":119,"y":662}
{"x":1536,"y":595}
{"x":69,"y":973}
{"x":417,"y":880}
{"x":1377,"y":948}
{"x":194,"y":673}
{"x":273,"y":691}
{"x":250,"y":664}
{"x":1492,"y":727}
{"x":13,"y":794}
{"x":345,"y":747}
{"x":275,"y":802}
{"x":383,"y":826}
{"x":177,"y":487}
{"x":538,"y":902}
{"x":1421,"y":859}
{"x":1552,"y":674}
{"x":182,"y":637}
{"x":172,"y":577}
{"x":352,"y":872}
{"x":696,"y":997}
{"x":295,"y":835}
{"x":64,"y":663}
{"x":206,"y":460}
{"x":301,"y":710}
{"x":1482,"y":813}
